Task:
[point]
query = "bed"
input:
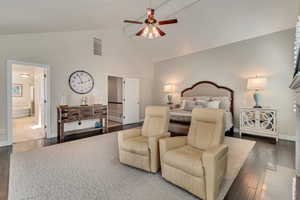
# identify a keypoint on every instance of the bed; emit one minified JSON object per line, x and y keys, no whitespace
{"x":203,"y":91}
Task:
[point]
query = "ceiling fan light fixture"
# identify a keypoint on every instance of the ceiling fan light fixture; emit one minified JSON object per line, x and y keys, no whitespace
{"x":155,"y":31}
{"x":145,"y":32}
{"x":151,"y":32}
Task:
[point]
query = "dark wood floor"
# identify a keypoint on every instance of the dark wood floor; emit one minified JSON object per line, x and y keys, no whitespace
{"x":266,"y":155}
{"x":249,"y":185}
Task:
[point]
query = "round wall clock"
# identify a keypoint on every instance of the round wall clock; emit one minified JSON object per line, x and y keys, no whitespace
{"x":81,"y":82}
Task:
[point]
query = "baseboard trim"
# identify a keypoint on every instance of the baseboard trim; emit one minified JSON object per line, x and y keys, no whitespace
{"x":287,"y":137}
{"x":4,"y":143}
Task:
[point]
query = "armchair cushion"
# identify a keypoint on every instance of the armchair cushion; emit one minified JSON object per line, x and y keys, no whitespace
{"x":185,"y":158}
{"x":137,"y":145}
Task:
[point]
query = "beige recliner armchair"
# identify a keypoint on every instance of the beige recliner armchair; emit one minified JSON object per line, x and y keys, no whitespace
{"x":197,"y":162}
{"x":139,"y":147}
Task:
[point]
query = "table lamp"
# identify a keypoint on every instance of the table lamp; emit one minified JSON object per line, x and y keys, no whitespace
{"x":169,"y":88}
{"x":257,"y":84}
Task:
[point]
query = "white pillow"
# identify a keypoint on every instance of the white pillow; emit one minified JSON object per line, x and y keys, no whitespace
{"x":189,"y":105}
{"x":225,"y":102}
{"x":183,"y":101}
{"x":182,"y":104}
{"x":214,"y":104}
{"x":201,"y":103}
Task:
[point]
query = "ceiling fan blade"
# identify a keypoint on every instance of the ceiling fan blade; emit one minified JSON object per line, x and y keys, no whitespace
{"x":133,"y":22}
{"x":161,"y":33}
{"x":140,"y":32}
{"x":170,"y":21}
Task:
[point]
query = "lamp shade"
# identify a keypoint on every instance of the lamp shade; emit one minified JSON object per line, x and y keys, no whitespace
{"x":258,"y":83}
{"x":169,"y":88}
{"x":151,"y":32}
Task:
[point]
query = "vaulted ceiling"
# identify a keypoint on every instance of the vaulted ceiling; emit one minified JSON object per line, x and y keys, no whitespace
{"x":212,"y":23}
{"x":33,"y":16}
{"x":202,"y":25}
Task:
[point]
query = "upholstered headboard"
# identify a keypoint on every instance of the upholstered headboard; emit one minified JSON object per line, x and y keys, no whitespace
{"x":208,"y":88}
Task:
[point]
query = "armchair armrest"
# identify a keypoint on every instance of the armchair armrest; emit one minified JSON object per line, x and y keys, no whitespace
{"x":167,"y":144}
{"x":130,"y":133}
{"x":214,"y":153}
{"x":156,"y":138}
{"x":215,"y":165}
{"x":153,"y":144}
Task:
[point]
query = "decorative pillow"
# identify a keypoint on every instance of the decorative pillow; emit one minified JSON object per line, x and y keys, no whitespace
{"x":189,"y":105}
{"x":213,"y":104}
{"x":188,"y":98}
{"x":201,"y":103}
{"x":225,"y":102}
{"x":182,"y":104}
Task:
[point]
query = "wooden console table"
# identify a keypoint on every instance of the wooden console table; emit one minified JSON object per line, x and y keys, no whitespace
{"x":68,"y":114}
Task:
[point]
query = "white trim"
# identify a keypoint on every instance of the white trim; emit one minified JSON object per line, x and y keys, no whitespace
{"x":4,"y":143}
{"x":287,"y":137}
{"x":9,"y":97}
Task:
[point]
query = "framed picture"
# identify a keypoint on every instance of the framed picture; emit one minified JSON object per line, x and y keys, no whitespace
{"x":17,"y":90}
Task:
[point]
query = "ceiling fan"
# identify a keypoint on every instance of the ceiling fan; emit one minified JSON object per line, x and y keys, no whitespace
{"x":151,"y":30}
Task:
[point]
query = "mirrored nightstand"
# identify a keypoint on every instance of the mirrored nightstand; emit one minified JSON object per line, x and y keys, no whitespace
{"x":259,"y":121}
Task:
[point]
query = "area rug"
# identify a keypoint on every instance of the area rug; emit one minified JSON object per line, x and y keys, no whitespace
{"x":89,"y":169}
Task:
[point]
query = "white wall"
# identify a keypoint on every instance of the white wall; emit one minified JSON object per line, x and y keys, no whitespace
{"x":66,"y":52}
{"x":231,"y":65}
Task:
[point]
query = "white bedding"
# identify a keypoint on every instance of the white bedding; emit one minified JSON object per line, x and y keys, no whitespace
{"x":185,"y":116}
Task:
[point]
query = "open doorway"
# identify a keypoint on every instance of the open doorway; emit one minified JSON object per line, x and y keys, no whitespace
{"x":123,"y":100}
{"x":27,"y":102}
{"x":115,"y":101}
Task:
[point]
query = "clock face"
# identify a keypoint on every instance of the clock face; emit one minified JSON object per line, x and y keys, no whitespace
{"x":81,"y":82}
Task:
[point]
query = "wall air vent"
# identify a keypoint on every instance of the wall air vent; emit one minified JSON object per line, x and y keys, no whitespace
{"x":97,"y":47}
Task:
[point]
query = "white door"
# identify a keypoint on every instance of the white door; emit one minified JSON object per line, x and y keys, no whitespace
{"x":131,"y":98}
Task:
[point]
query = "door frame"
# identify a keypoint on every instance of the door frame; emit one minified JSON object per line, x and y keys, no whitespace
{"x":9,"y":120}
{"x":119,"y":76}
